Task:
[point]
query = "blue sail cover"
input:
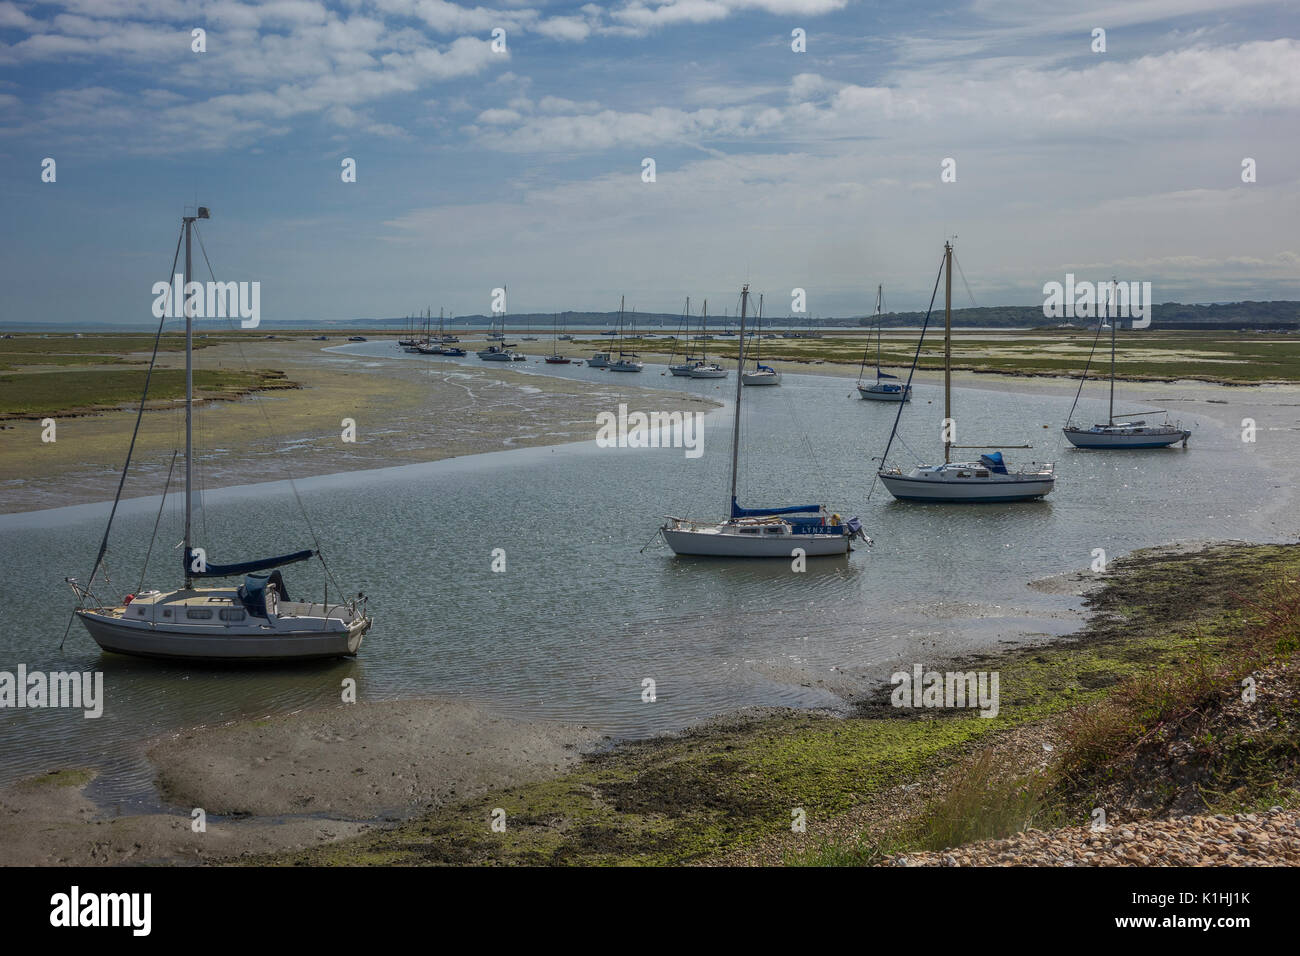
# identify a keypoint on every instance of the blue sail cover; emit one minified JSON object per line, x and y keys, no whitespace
{"x":253,"y":591}
{"x":994,"y":463}
{"x":244,"y":567}
{"x":739,"y":512}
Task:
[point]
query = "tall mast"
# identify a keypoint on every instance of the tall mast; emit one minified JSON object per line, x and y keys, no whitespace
{"x":189,"y":397}
{"x":200,"y":213}
{"x":947,"y":351}
{"x":704,"y":334}
{"x":1112,"y":359}
{"x":735,"y":428}
{"x":704,"y":321}
{"x":879,"y":292}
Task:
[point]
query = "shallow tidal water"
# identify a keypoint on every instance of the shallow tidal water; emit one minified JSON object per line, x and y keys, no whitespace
{"x":581,"y":617}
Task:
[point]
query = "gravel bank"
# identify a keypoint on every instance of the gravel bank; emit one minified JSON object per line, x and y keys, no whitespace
{"x":1267,"y":839}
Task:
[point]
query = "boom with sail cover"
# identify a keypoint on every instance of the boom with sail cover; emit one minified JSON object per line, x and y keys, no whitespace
{"x":739,"y":512}
{"x":243,"y":567}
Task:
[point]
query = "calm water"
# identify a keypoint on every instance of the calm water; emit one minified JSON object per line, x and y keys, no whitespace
{"x":580,"y":617}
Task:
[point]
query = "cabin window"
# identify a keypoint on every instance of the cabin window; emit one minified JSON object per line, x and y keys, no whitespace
{"x":139,"y":612}
{"x":198,"y":614}
{"x":167,"y":612}
{"x":749,"y":531}
{"x":232,"y":614}
{"x":773,"y":530}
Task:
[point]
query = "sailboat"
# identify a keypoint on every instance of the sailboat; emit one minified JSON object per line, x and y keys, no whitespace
{"x":760,"y":532}
{"x":411,"y":344}
{"x":427,"y":346}
{"x":501,"y":352}
{"x":1121,"y":434}
{"x":762,"y":374}
{"x":555,"y":358}
{"x":446,"y":342}
{"x":683,"y":369}
{"x":253,"y":621}
{"x":885,"y":388}
{"x":971,"y":482}
{"x":624,"y":364}
{"x":704,"y":368}
{"x":410,"y":341}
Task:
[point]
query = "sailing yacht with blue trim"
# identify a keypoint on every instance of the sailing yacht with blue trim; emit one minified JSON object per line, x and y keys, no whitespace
{"x":253,"y":621}
{"x":886,"y":387}
{"x":1122,"y":434}
{"x":760,"y":532}
{"x":985,"y":481}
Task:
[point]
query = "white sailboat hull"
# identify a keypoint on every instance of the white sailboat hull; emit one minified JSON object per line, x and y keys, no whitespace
{"x":1136,"y":437}
{"x":290,"y":641}
{"x":708,"y":373}
{"x":681,"y":371}
{"x":950,"y":488}
{"x":875,"y":393}
{"x":761,"y":378}
{"x":716,"y":542}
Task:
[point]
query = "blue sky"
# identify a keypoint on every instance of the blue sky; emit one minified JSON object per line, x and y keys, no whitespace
{"x":478,"y":168}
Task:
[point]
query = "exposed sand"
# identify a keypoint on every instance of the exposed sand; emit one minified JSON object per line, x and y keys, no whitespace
{"x":406,"y":409}
{"x":300,"y":780}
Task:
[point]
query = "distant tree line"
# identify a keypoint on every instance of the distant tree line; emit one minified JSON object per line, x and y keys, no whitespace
{"x":1281,"y":314}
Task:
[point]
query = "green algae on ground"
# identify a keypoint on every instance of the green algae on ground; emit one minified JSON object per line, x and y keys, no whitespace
{"x":68,"y":777}
{"x":738,"y":780}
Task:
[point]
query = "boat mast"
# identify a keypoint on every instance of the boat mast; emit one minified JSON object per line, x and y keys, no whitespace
{"x":704,"y":321}
{"x":879,"y":291}
{"x":947,"y":351}
{"x":735,"y":427}
{"x":200,"y":213}
{"x":704,"y":334}
{"x":1112,"y":357}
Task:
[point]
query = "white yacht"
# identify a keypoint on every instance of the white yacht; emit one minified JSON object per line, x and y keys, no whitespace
{"x":255,"y":621}
{"x":984,"y":481}
{"x":760,"y":532}
{"x":1122,"y":434}
{"x":886,"y":387}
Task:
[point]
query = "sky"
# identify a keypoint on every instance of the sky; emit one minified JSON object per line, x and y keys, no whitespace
{"x":479,"y":167}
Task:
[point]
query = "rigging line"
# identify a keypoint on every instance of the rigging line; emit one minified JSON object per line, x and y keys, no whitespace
{"x":910,"y":372}
{"x":1083,"y":378}
{"x":293,"y":485}
{"x":162,"y":504}
{"x":139,"y":416}
{"x":970,"y":294}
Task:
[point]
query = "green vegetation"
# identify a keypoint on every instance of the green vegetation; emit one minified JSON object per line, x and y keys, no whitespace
{"x":736,"y":782}
{"x":54,"y":394}
{"x":1224,"y":613}
{"x":36,"y":381}
{"x":1232,"y":358}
